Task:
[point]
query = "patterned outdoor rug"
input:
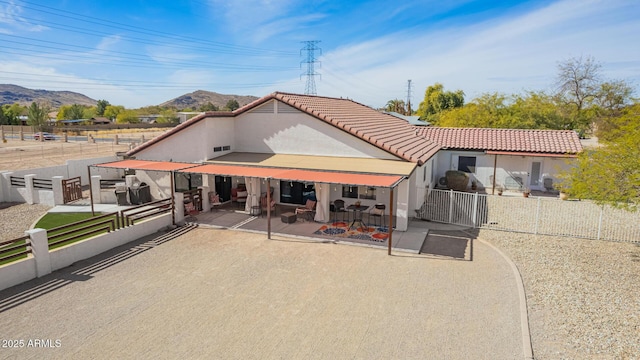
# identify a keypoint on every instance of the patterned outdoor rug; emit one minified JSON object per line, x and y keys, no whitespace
{"x":341,"y":229}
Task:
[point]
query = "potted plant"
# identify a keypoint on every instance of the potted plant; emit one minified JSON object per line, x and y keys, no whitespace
{"x":474,"y":185}
{"x":526,"y":192}
{"x":499,"y":190}
{"x":564,"y":195}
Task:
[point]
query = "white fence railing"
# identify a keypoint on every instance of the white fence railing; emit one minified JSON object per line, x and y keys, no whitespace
{"x":534,"y":215}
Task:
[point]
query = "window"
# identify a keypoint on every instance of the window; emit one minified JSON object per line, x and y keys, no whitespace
{"x":467,"y":164}
{"x":368,"y":193}
{"x":293,"y":192}
{"x":222,"y":148}
{"x":349,"y":191}
{"x":185,"y":181}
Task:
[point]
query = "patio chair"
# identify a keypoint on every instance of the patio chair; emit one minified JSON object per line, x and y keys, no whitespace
{"x":338,"y":208}
{"x":263,"y":204}
{"x":377,"y":212}
{"x":214,"y":200}
{"x":548,"y":184}
{"x":308,"y":211}
{"x":190,"y":210}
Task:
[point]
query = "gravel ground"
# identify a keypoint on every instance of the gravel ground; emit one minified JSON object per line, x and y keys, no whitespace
{"x":582,"y":295}
{"x":16,"y":218}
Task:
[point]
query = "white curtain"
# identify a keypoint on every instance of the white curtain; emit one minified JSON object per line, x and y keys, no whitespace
{"x":323,"y":195}
{"x":253,"y":193}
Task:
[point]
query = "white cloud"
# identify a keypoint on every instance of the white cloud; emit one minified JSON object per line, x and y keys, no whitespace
{"x":507,"y":55}
{"x":11,"y":19}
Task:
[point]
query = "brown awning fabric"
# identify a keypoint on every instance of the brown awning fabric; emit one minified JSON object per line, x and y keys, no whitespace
{"x":329,"y":177}
{"x":146,"y":165}
{"x":516,"y":153}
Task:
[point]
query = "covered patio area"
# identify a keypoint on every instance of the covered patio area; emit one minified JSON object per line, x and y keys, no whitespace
{"x":228,"y":217}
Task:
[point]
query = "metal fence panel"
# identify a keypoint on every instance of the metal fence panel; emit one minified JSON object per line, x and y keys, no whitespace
{"x":539,"y":215}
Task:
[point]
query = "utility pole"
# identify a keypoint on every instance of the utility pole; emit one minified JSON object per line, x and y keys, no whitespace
{"x":408,"y":97}
{"x":310,"y":47}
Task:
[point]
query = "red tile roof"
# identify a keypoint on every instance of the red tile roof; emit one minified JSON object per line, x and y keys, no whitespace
{"x":510,"y":140}
{"x":384,"y":131}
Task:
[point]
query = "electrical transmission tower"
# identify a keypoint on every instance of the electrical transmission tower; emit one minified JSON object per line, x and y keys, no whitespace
{"x":409,"y":97}
{"x":310,"y":47}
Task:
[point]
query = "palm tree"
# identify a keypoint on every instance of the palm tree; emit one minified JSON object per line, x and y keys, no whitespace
{"x":396,"y":105}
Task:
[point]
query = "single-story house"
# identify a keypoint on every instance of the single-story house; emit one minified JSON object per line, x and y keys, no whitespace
{"x":510,"y":158}
{"x":301,"y":146}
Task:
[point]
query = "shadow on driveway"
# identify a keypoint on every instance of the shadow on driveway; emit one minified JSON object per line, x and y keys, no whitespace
{"x":33,"y":289}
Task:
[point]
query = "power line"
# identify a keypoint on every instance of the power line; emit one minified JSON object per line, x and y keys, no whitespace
{"x":311,"y":47}
{"x":93,"y":21}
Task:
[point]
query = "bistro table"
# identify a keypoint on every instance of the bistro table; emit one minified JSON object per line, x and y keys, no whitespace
{"x":357,"y":215}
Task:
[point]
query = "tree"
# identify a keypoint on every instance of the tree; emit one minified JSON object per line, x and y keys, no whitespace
{"x":76,"y":111}
{"x":537,"y":110}
{"x":396,"y":105}
{"x":71,"y":112}
{"x":436,"y":100}
{"x":609,"y":174}
{"x":3,"y":118}
{"x":232,"y":105}
{"x":169,"y":116}
{"x":127,"y":117}
{"x":38,"y":115}
{"x":13,"y":112}
{"x":208,"y":107}
{"x":578,"y":81}
{"x":101,"y":106}
{"x":490,"y":110}
{"x":111,"y":111}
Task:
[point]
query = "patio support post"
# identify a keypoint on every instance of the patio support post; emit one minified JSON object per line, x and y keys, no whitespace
{"x":269,"y":208}
{"x":495,"y":164}
{"x":173,"y":201}
{"x":90,"y":191}
{"x":390,"y":239}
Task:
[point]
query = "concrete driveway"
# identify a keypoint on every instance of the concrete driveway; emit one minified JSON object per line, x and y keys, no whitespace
{"x":224,"y":294}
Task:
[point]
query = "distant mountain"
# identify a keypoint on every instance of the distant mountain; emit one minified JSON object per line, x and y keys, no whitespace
{"x":10,"y":94}
{"x":201,"y":97}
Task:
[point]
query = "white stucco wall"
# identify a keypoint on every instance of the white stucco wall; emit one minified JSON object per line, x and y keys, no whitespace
{"x":299,"y":133}
{"x":194,"y":143}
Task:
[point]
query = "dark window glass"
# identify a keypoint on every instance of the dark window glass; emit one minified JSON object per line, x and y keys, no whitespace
{"x":350,"y":192}
{"x":467,"y":164}
{"x":293,"y":192}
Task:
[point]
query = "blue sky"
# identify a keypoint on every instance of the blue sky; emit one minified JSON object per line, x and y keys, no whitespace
{"x":136,"y":53}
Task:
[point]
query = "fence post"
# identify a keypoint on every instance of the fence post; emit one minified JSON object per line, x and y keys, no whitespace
{"x":39,"y":243}
{"x":5,"y":186}
{"x":28,"y":188}
{"x":600,"y":221}
{"x":450,"y":206}
{"x":95,"y":188}
{"x":115,"y":139}
{"x":535,"y":231}
{"x":179,"y":210}
{"x":58,"y":191}
{"x":475,"y":210}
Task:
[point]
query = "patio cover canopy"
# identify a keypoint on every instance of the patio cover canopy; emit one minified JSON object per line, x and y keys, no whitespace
{"x":321,"y":163}
{"x":146,"y":165}
{"x":329,"y":177}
